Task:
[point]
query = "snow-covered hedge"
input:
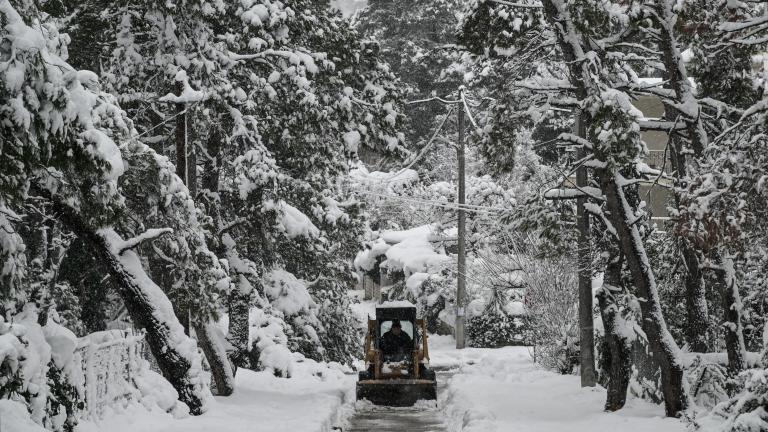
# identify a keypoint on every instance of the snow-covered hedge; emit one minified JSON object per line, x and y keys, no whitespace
{"x":496,"y":329}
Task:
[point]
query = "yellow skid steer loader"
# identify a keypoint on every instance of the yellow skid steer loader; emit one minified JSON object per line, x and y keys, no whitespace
{"x":395,"y":355}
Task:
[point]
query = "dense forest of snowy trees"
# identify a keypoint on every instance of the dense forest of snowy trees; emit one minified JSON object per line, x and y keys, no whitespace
{"x":224,"y":172}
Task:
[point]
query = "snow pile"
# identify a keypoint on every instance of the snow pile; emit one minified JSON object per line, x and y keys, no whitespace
{"x":502,"y":389}
{"x":309,"y":402}
{"x":415,"y":254}
{"x":366,"y":260}
{"x":15,"y":418}
{"x":287,"y":293}
{"x":156,"y":392}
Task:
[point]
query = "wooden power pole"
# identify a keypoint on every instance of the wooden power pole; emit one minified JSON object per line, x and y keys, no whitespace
{"x":586,"y":324}
{"x":462,"y":258}
{"x":462,"y":267}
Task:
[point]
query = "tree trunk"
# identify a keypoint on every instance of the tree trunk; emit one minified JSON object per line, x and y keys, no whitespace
{"x":239,"y":308}
{"x":684,"y":160}
{"x":149,"y":309}
{"x":697,"y":313}
{"x":617,"y":358}
{"x":180,"y":138}
{"x":725,"y":276}
{"x":216,"y":353}
{"x":586,"y":321}
{"x":660,"y":340}
{"x":239,"y":301}
{"x":588,"y":83}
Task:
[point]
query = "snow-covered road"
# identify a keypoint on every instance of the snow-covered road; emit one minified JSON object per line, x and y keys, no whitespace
{"x":424,"y":417}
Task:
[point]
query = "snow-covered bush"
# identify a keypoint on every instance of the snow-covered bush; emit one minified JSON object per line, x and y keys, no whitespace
{"x":39,"y":368}
{"x":501,"y":322}
{"x":435,"y":301}
{"x":290,"y":297}
{"x":708,"y":383}
{"x":340,"y":335}
{"x":551,"y":309}
{"x":747,"y":411}
{"x":495,"y":329}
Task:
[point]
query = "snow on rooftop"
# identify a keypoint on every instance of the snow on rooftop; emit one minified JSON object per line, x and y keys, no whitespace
{"x":396,"y":304}
{"x":399,"y":236}
{"x":409,"y":251}
{"x":416,"y":254}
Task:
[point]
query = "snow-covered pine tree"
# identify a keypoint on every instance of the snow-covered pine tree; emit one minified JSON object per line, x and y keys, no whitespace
{"x":416,"y":39}
{"x":62,"y":136}
{"x":318,"y":95}
{"x":589,"y":82}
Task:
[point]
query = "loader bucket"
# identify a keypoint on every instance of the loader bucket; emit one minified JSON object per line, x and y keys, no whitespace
{"x":396,"y":392}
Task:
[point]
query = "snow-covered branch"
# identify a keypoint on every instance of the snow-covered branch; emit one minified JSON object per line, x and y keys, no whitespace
{"x":148,"y":235}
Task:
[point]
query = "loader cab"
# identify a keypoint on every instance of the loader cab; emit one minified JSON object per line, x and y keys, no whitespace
{"x":406,"y":316}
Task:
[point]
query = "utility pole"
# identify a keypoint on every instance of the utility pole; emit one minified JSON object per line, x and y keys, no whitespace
{"x":586,"y":324}
{"x":461,"y":282}
{"x":182,"y":170}
{"x":462,"y":267}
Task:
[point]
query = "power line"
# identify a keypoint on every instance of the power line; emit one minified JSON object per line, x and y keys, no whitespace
{"x":446,"y":205}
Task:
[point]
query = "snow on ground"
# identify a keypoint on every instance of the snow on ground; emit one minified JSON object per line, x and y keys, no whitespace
{"x":261,"y":402}
{"x":503,"y":390}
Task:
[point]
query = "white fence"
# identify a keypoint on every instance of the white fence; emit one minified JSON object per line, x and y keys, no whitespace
{"x":110,"y":359}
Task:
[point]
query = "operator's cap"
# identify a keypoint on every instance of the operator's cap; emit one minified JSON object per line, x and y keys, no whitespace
{"x":396,"y":323}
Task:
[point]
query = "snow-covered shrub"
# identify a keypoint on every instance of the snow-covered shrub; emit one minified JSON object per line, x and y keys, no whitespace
{"x":708,"y":383}
{"x":500,"y":322}
{"x":268,"y":341}
{"x":551,"y":307}
{"x":39,"y":368}
{"x":290,"y":297}
{"x":340,"y":335}
{"x":495,"y":329}
{"x":747,"y":411}
{"x":435,"y":302}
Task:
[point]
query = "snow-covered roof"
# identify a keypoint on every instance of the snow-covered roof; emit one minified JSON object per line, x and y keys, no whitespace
{"x":410,"y":251}
{"x":396,"y":304}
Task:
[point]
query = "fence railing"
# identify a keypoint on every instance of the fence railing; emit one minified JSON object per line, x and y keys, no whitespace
{"x":109,"y":361}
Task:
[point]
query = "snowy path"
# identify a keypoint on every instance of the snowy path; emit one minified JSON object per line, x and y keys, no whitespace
{"x":503,"y":390}
{"x":261,"y":403}
{"x":420,"y":418}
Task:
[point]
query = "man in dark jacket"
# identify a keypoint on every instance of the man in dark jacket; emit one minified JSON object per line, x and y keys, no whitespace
{"x":396,"y":342}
